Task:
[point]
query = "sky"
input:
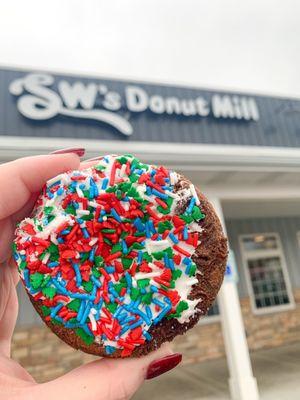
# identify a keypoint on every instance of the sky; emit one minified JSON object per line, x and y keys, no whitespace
{"x":248,"y":45}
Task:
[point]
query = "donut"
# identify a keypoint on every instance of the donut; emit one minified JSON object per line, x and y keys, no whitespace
{"x":120,"y":257}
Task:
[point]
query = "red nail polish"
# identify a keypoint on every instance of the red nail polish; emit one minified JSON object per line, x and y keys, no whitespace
{"x":79,"y":151}
{"x":163,"y":365}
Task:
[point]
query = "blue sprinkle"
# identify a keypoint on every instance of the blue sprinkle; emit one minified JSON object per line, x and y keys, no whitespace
{"x":54,"y":184}
{"x":137,"y":302}
{"x":159,"y":194}
{"x":191,"y":205}
{"x":128,"y":279}
{"x":143,"y":316}
{"x":148,"y":312}
{"x":158,"y":303}
{"x":110,"y":269}
{"x":129,"y":319}
{"x":125,"y":329}
{"x":185,"y":233}
{"x":81,"y":310}
{"x":80,"y":221}
{"x":153,"y":288}
{"x":187,"y":261}
{"x":151,"y":226}
{"x":148,"y":234}
{"x":65,"y":232}
{"x":136,"y":324}
{"x":78,"y":275}
{"x":115,"y":215}
{"x":92,"y":192}
{"x":92,"y":254}
{"x":93,"y":294}
{"x":16,"y":256}
{"x":87,"y":330}
{"x":110,"y":349}
{"x":147,"y":335}
{"x":153,"y":172}
{"x":96,"y":281}
{"x":173,"y":238}
{"x":104,"y":183}
{"x":85,"y":314}
{"x":82,"y":186}
{"x":124,"y":247}
{"x":26,"y":277}
{"x":171,"y":264}
{"x":139,"y":225}
{"x":60,"y":240}
{"x":140,"y":257}
{"x":85,"y":233}
{"x":60,"y":191}
{"x":106,"y":159}
{"x":148,"y":191}
{"x":188,"y":268}
{"x":166,"y":260}
{"x":162,"y":314}
{"x":55,"y":310}
{"x":75,"y":205}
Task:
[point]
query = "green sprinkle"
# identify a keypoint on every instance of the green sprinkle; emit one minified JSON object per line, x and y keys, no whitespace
{"x":126,"y":262}
{"x":147,"y":257}
{"x":96,"y":273}
{"x":142,"y":283}
{"x":74,"y":305}
{"x":49,"y":292}
{"x":147,"y":298}
{"x":88,"y":286}
{"x":22,"y":265}
{"x":46,"y":311}
{"x":111,"y":307}
{"x":183,"y":305}
{"x":134,"y":294}
{"x":108,"y":230}
{"x":187,"y":218}
{"x":197,"y":213}
{"x":99,"y":261}
{"x":107,"y":241}
{"x":70,"y":210}
{"x":85,"y":256}
{"x":36,"y":280}
{"x":53,"y":248}
{"x":99,"y":168}
{"x":193,"y":270}
{"x":163,"y":226}
{"x":48,"y":210}
{"x":56,"y":322}
{"x":84,"y":336}
{"x":176,"y":274}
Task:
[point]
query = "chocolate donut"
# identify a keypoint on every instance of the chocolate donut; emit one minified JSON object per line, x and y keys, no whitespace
{"x":121,"y":257}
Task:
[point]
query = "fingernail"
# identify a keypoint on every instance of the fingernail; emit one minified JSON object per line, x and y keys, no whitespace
{"x":79,"y":151}
{"x":163,"y":365}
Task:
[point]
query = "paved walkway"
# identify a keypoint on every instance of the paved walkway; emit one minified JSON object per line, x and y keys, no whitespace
{"x":277,"y":372}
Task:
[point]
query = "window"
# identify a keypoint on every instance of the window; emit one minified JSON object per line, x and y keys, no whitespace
{"x":266,"y":272}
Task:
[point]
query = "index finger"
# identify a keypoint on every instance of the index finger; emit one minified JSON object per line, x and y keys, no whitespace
{"x":22,"y":177}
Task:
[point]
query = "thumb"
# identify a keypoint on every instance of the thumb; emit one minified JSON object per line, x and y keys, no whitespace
{"x":107,"y":379}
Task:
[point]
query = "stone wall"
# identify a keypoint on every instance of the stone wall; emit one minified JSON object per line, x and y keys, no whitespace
{"x":46,"y":357}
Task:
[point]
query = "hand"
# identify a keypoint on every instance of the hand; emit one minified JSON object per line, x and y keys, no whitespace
{"x":20,"y":183}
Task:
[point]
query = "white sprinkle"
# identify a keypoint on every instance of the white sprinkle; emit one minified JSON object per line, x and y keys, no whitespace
{"x":173,"y":178}
{"x":174,"y":195}
{"x":159,"y":245}
{"x":93,"y":321}
{"x":122,"y":171}
{"x":141,"y":275}
{"x":194,"y":193}
{"x":104,"y":218}
{"x":82,"y":212}
{"x":191,"y":282}
{"x":46,"y":258}
{"x":93,"y":241}
{"x":148,"y":198}
{"x":79,"y":191}
{"x":53,"y":239}
{"x":94,"y":204}
{"x":55,"y":179}
{"x":22,"y":252}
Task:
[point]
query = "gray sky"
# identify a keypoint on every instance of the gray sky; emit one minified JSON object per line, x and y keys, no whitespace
{"x":252,"y":45}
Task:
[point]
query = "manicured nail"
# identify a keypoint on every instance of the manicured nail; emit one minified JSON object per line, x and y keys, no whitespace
{"x":163,"y":365}
{"x":79,"y":151}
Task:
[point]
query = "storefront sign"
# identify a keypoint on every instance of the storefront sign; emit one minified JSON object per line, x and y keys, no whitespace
{"x":37,"y":100}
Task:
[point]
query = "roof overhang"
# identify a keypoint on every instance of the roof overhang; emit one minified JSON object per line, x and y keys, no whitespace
{"x":230,"y":171}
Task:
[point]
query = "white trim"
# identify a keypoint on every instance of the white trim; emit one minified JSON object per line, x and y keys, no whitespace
{"x":200,"y":156}
{"x":276,"y":252}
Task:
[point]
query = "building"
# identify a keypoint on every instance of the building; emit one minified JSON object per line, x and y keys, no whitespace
{"x":242,"y":150}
